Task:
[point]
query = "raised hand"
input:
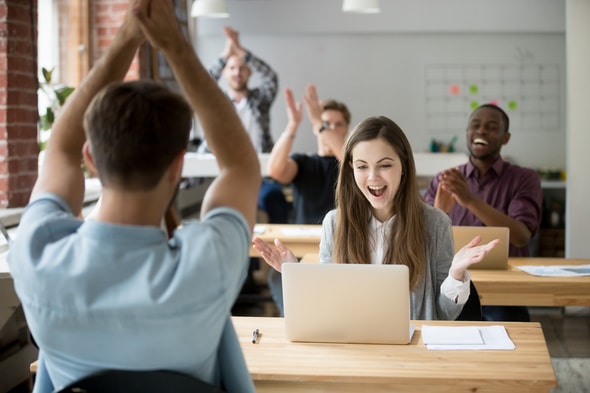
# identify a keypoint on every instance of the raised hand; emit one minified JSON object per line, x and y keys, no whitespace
{"x":453,"y":182}
{"x":158,"y":22}
{"x":313,"y":105}
{"x":443,"y":199}
{"x":232,"y":43}
{"x":274,"y":256}
{"x":470,"y":254}
{"x":294,"y":109}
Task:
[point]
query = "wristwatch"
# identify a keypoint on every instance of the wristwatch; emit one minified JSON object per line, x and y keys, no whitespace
{"x":325,"y":126}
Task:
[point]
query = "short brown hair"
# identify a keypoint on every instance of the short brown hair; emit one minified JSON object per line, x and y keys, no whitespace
{"x":337,"y":106}
{"x":135,"y":130}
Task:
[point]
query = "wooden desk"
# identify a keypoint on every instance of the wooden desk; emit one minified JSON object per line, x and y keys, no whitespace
{"x":513,"y":287}
{"x":301,"y":239}
{"x":277,"y":365}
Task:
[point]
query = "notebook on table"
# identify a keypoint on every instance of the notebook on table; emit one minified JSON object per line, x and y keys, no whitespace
{"x":498,"y":257}
{"x":347,"y":303}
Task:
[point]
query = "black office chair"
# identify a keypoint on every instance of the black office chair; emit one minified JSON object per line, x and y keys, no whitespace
{"x":472,"y":309}
{"x":127,"y":381}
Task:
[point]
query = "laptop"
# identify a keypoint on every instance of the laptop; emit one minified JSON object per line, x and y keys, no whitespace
{"x":498,"y":257}
{"x":347,"y":303}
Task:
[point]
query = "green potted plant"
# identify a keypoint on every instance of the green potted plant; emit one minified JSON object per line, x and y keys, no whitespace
{"x":53,"y":98}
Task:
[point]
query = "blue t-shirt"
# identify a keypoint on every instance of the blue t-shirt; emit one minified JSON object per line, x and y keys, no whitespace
{"x":100,"y":296}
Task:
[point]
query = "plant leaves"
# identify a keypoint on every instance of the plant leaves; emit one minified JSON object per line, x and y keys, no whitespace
{"x":63,"y":93}
{"x":46,"y":120}
{"x":47,"y":74}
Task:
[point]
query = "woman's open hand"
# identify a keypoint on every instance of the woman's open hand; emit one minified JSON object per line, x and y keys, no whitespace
{"x":468,"y":255}
{"x":274,"y":256}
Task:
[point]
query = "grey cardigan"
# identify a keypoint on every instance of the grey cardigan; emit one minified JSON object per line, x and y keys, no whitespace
{"x":427,"y":302}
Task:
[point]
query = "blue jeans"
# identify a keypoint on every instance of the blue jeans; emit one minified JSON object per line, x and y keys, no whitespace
{"x":506,"y":313}
{"x":272,"y":200}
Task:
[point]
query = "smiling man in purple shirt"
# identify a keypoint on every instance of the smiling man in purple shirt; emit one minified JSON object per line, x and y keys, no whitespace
{"x":488,"y":191}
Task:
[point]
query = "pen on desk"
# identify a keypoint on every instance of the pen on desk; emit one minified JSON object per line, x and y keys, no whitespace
{"x":255,"y":335}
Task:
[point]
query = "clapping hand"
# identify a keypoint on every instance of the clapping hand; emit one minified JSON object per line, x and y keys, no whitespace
{"x":274,"y":256}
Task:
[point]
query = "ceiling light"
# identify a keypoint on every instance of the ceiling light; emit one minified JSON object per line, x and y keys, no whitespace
{"x":361,"y":6}
{"x":209,"y":8}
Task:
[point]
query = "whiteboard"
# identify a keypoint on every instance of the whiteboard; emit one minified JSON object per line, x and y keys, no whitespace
{"x":391,"y":74}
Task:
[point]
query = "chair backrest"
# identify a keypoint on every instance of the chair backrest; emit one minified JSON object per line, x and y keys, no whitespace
{"x":130,"y":381}
{"x":472,"y":309}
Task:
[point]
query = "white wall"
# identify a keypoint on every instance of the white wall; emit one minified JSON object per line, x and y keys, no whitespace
{"x":578,"y":137}
{"x":377,"y":63}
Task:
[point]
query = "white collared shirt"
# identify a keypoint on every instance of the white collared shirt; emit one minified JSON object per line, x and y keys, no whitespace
{"x":457,"y":291}
{"x":250,"y":124}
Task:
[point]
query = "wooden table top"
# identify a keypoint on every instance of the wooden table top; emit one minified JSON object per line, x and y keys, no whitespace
{"x":514,"y":287}
{"x":276,"y":364}
{"x":301,"y":239}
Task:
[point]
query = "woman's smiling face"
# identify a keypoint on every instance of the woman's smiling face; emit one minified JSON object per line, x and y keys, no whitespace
{"x":377,"y":173}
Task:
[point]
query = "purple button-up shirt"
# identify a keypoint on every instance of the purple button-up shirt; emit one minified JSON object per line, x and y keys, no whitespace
{"x":514,"y":190}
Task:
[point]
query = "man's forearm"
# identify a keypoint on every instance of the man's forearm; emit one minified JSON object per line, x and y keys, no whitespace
{"x":62,"y":173}
{"x":67,"y":132}
{"x":490,"y":216}
{"x":279,"y":156}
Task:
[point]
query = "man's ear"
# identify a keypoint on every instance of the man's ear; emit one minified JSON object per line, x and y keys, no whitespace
{"x":88,"y":159}
{"x":175,"y":168}
{"x":506,"y":138}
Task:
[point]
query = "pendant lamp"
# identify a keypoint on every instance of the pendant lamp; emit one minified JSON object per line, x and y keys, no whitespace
{"x":361,"y":6}
{"x":209,"y":9}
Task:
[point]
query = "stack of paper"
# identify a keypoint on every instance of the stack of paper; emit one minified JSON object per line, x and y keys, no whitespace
{"x":557,"y":270}
{"x":466,"y":337}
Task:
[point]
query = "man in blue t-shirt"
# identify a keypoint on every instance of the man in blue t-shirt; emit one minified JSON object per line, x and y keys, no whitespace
{"x":115,"y":292}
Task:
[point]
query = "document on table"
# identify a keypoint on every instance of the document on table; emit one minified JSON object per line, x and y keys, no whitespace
{"x":259,"y":229}
{"x":466,"y":337}
{"x":557,"y":270}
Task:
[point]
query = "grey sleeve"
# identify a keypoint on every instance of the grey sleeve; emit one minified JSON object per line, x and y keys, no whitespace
{"x":440,"y":257}
{"x":327,"y":240}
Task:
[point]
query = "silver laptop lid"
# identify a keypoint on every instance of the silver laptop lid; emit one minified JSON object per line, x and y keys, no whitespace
{"x":347,"y":303}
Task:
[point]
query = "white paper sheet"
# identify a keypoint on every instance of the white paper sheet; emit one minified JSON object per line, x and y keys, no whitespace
{"x":493,"y":338}
{"x":557,"y":270}
{"x":259,"y":229}
{"x":451,"y":335}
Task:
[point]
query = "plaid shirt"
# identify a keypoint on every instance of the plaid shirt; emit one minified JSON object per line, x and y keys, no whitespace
{"x":260,"y":98}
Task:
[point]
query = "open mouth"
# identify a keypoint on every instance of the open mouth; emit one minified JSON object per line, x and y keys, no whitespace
{"x":377,"y":191}
{"x":480,"y":142}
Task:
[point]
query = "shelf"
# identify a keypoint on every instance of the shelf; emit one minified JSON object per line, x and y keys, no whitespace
{"x":553,"y":184}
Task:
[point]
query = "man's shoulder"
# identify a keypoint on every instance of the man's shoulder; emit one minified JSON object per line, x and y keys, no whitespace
{"x":519,"y":173}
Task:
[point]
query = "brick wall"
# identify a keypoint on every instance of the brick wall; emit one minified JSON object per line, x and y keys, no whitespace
{"x":18,"y":102}
{"x":18,"y":87}
{"x":107,"y":16}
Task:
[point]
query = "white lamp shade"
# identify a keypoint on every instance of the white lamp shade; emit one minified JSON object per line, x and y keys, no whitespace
{"x":361,"y":6}
{"x":209,"y":8}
